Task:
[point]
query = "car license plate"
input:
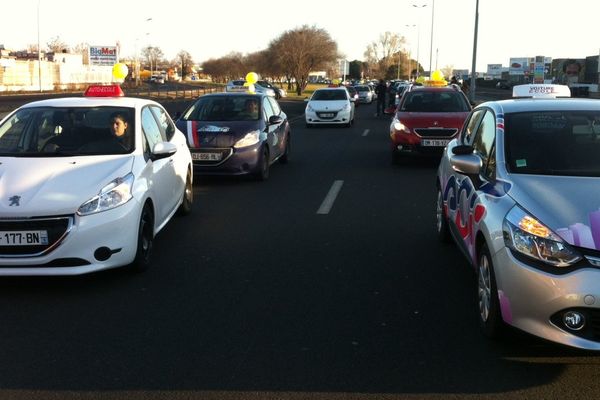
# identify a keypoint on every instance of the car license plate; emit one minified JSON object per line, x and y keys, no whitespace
{"x":435,"y":142}
{"x":23,"y":238}
{"x":326,"y":115}
{"x":206,"y":156}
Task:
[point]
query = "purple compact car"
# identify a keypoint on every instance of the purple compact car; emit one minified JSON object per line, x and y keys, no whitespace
{"x":236,"y":134}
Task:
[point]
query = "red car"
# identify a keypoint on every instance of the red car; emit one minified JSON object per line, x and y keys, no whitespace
{"x":426,"y":119}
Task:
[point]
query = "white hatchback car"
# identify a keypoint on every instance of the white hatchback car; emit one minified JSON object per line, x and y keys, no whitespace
{"x":330,"y":106}
{"x":88,"y":182}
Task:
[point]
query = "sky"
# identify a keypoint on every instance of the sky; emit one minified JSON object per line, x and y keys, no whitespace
{"x":213,"y":28}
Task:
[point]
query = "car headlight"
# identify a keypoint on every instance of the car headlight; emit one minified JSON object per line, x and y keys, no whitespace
{"x":115,"y":194}
{"x":248,"y":140}
{"x":346,"y":107}
{"x":309,"y":108}
{"x":526,"y":235}
{"x":399,"y":126}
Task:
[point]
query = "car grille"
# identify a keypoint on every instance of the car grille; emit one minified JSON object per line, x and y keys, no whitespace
{"x":436,"y":132}
{"x":222,"y":153}
{"x":56,"y":227}
{"x":327,"y":114}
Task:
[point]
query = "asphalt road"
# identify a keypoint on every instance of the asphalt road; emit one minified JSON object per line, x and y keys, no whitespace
{"x":258,"y":296}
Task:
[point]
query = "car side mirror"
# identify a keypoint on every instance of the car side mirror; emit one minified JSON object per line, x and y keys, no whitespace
{"x":352,"y":99}
{"x":467,"y":164}
{"x":275,"y":119}
{"x":307,"y":99}
{"x":163,"y":150}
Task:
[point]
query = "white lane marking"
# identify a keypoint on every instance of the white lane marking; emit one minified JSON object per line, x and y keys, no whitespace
{"x":330,"y":198}
{"x":366,"y":132}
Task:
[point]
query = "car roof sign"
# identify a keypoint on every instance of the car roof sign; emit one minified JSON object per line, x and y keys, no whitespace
{"x":541,"y":91}
{"x":104,"y":91}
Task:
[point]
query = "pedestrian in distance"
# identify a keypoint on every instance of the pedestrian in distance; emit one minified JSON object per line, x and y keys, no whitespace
{"x":381,"y":91}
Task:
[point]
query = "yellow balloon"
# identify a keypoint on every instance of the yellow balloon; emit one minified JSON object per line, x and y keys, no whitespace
{"x":120,"y":71}
{"x":437,"y":76}
{"x":336,"y":82}
{"x":251,"y":77}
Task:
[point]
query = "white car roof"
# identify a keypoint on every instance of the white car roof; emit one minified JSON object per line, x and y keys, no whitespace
{"x":91,"y":102}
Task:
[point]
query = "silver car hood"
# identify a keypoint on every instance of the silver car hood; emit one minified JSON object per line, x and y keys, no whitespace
{"x":570,"y":206}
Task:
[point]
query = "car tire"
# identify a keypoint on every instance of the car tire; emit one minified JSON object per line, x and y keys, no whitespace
{"x":262,"y":173}
{"x":443,"y":232}
{"x":145,"y":241}
{"x":285,"y":157}
{"x":490,"y":316}
{"x":188,"y":197}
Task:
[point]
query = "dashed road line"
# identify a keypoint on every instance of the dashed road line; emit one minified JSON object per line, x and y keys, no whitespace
{"x":330,"y":198}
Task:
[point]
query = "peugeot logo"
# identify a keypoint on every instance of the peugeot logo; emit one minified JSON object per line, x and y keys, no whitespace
{"x":14,"y":201}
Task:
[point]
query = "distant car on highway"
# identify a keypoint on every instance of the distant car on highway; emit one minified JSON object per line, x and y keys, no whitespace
{"x":237,"y":86}
{"x":279,"y":92}
{"x":330,"y":106}
{"x":88,"y":182}
{"x":365,"y":94}
{"x":517,"y":193}
{"x":236,"y":134}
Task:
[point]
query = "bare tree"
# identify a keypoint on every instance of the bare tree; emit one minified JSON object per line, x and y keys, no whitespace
{"x":447,"y":71}
{"x":302,"y":50}
{"x":56,"y":45}
{"x":383,"y":52}
{"x":185,"y":62}
{"x":83,"y":49}
{"x":153,"y":56}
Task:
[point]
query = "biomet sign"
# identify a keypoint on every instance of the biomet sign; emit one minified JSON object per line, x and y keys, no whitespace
{"x":103,"y":55}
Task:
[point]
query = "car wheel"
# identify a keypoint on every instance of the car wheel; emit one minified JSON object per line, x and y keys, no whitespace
{"x":490,"y":316}
{"x":262,"y":174}
{"x":443,"y":233}
{"x":285,"y":157}
{"x":145,"y":241}
{"x":188,"y":197}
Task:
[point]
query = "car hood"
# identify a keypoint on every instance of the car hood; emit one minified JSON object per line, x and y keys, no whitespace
{"x":432,"y":120}
{"x":327,"y":105}
{"x":202,"y":134}
{"x":55,"y":186}
{"x":564,"y":204}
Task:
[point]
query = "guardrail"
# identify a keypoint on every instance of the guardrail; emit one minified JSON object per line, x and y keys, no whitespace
{"x":172,"y":94}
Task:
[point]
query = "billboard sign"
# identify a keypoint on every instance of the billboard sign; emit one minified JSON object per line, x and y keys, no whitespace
{"x":103,"y":55}
{"x":538,"y":70}
{"x":519,"y":66}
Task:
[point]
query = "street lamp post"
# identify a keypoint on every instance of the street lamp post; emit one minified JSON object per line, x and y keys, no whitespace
{"x":473,"y":65}
{"x":431,"y":41}
{"x":39,"y":50}
{"x":418,"y":35}
{"x":409,"y":70}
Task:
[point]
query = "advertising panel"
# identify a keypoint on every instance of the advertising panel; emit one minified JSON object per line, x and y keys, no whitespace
{"x":571,"y":71}
{"x":538,"y":71}
{"x":103,"y":55}
{"x":519,"y":66}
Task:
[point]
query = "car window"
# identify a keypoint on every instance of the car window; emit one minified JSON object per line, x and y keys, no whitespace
{"x":165,"y":123}
{"x":553,"y":143}
{"x":471,"y":126}
{"x":151,"y":130}
{"x":224,"y":108}
{"x":330,"y":95}
{"x":275,"y":106}
{"x":42,"y":131}
{"x":483,"y":144}
{"x":268,"y":110}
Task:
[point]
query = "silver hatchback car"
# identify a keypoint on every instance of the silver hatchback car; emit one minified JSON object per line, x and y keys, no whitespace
{"x":519,"y":192}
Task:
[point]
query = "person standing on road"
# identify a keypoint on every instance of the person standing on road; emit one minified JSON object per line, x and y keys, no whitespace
{"x":381,"y":91}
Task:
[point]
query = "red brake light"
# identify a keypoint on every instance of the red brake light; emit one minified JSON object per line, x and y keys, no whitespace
{"x":104,"y":91}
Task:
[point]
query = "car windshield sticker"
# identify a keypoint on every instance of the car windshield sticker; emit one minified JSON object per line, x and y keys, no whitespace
{"x":212,"y":128}
{"x":521,"y":163}
{"x":548,"y":121}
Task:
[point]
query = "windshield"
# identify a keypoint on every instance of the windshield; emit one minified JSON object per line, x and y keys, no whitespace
{"x":329,"y":95}
{"x":363,"y":88}
{"x":57,"y":131}
{"x":447,"y":101}
{"x":224,"y":108}
{"x":553,"y":143}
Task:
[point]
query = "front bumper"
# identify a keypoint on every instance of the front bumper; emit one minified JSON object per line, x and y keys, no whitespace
{"x":115,"y":229}
{"x":320,"y":117}
{"x":240,"y":161}
{"x":402,"y":142}
{"x":535,"y":301}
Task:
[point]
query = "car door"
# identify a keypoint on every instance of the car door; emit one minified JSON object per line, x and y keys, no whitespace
{"x":280,"y":128}
{"x":161,"y":173}
{"x":472,"y":192}
{"x":271,"y":130}
{"x":179,"y":164}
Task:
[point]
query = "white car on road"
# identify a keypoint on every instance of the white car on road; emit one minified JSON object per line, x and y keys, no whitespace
{"x":330,"y":106}
{"x":76,"y":194}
